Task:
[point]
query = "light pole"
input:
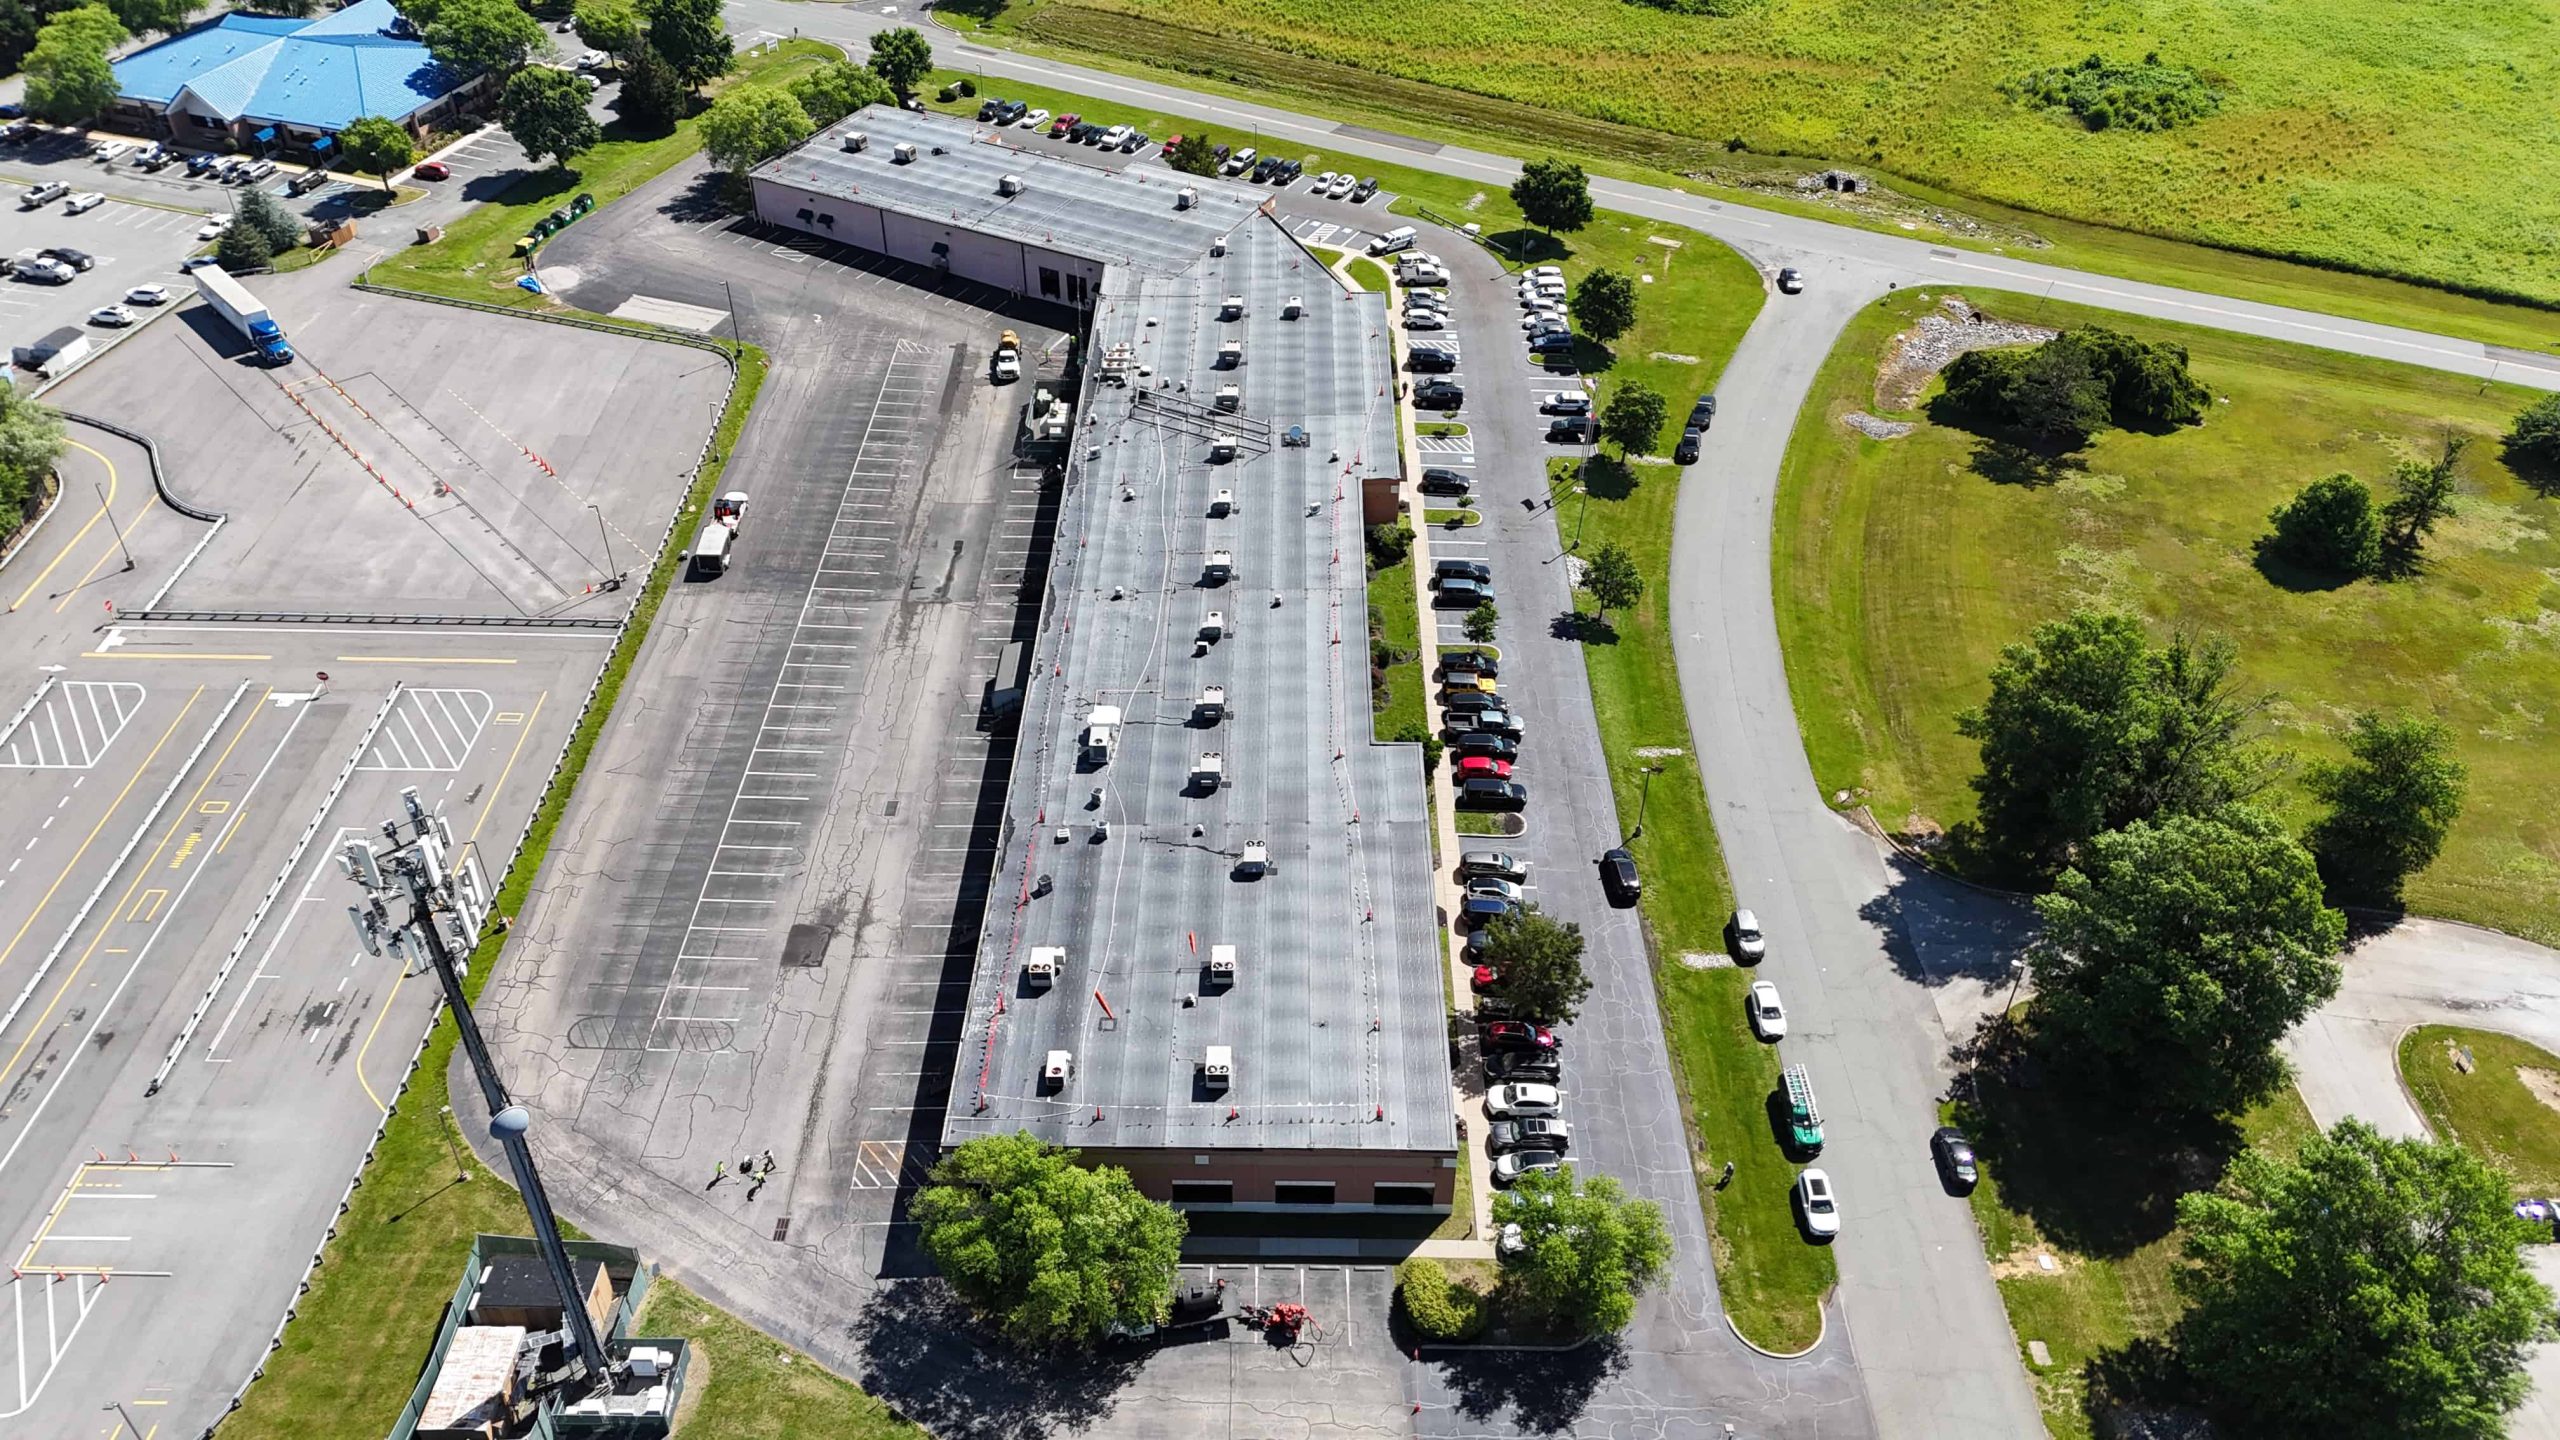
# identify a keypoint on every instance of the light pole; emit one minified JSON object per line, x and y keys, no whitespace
{"x":118,"y":1407}
{"x":112,"y":527}
{"x":735,"y":331}
{"x":453,"y":1142}
{"x":607,"y":533}
{"x":1644,"y":796}
{"x":417,"y":871}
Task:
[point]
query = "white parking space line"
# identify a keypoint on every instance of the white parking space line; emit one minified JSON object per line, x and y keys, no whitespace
{"x":71,"y":726}
{"x":430,"y":730}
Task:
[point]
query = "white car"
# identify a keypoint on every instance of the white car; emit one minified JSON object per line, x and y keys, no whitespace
{"x":1033,"y":119}
{"x":1544,"y":313}
{"x":112,"y":316}
{"x":1768,"y":1017}
{"x":1547,"y":272}
{"x":1320,"y":184}
{"x":1425,"y":320}
{"x":108,"y":150}
{"x":593,"y":60}
{"x":1488,"y":885}
{"x":147,"y":295}
{"x":84,"y":202}
{"x":213,"y":227}
{"x":1522,"y":1098}
{"x":1816,"y":1206}
{"x":1341,"y":185}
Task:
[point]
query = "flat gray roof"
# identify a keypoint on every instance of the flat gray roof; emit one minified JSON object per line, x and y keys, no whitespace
{"x":1107,"y":215}
{"x":1336,"y":1018}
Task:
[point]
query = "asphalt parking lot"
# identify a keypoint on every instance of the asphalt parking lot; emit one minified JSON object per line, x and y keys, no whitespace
{"x":132,"y":245}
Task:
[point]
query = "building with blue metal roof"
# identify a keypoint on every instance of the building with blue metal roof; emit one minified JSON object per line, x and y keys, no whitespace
{"x":280,"y":84}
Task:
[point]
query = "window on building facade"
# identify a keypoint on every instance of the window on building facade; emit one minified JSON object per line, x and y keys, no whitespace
{"x":1049,"y":282}
{"x":1303,"y":1192}
{"x":1204,"y":1192}
{"x":1402,"y":1193}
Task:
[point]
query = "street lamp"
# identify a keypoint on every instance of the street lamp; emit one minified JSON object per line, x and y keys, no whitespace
{"x":118,"y":1407}
{"x":418,"y":871}
{"x":603,"y":530}
{"x":1644,"y":796}
{"x":112,"y":528}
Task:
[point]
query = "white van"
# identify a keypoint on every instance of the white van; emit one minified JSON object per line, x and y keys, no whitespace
{"x":1403,"y":237}
{"x":711,"y":552}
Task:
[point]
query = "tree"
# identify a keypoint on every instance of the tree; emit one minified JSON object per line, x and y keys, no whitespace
{"x":2331,"y":527}
{"x":484,"y":35}
{"x":2148,"y":387}
{"x":68,"y":77}
{"x":378,"y":144}
{"x":751,"y":125}
{"x":1541,"y":965}
{"x":1047,"y":1249}
{"x":612,"y":26}
{"x":2088,"y":728}
{"x":2390,"y":805}
{"x":2425,"y":498}
{"x":901,"y":57}
{"x":31,"y":441}
{"x":1605,"y":305}
{"x":688,"y":35}
{"x":2368,"y":1289}
{"x":837,"y":89}
{"x":143,"y":16}
{"x":2176,"y":953}
{"x":1632,"y":420}
{"x":1439,"y":1307}
{"x":2075,"y":385}
{"x":287,"y":7}
{"x":1586,"y":1251}
{"x":2533,"y":441}
{"x":2057,"y":395}
{"x":653,"y":96}
{"x":1553,"y":194}
{"x":262,"y":212}
{"x":1480,"y":623}
{"x":1610,"y":574}
{"x":1194,"y":155}
{"x":243,"y":249}
{"x":545,"y":110}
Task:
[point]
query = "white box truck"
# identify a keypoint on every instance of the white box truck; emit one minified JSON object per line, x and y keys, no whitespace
{"x":232,"y":301}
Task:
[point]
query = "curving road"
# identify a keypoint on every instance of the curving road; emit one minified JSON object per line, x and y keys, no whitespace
{"x":1883,"y":967}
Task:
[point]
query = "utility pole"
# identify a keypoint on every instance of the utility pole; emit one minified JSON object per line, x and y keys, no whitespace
{"x":417,"y":871}
{"x":736,"y":332}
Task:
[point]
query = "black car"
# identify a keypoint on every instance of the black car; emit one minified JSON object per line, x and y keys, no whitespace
{"x":1956,"y":1166}
{"x":1618,"y":876}
{"x":1486,"y":744}
{"x":1011,"y":110}
{"x":1437,"y":481}
{"x":1263,"y":167}
{"x":1461,"y":703}
{"x":1439,"y":395}
{"x":1475,"y":570}
{"x":988,"y":107}
{"x":1790,"y":280}
{"x":1492,"y":722}
{"x":1493,"y":795}
{"x":1367,"y":187}
{"x":1686,"y":452}
{"x":1552,"y":342}
{"x":1570,"y":430}
{"x":1289,"y":170}
{"x":76,"y":259}
{"x":1533,"y":1133}
{"x":1218,"y":153}
{"x":1483,"y":662}
{"x":1084,"y":132}
{"x":1702,"y":414}
{"x":1462,"y":594}
{"x":1544,"y":1065}
{"x":1431,"y":361}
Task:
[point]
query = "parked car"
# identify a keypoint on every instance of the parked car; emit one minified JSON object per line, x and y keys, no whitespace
{"x":1618,"y":876}
{"x":1463,"y":594}
{"x":593,"y":60}
{"x":1483,"y":662}
{"x":1478,"y":742}
{"x":106,"y":151}
{"x":1531,"y":1133}
{"x":1507,"y":1169}
{"x":194,"y":263}
{"x":1437,"y":480}
{"x":1760,"y":1006}
{"x":1239,"y":161}
{"x":112,"y":316}
{"x":1415,"y":319}
{"x":1493,"y":795}
{"x":1790,"y":280}
{"x":1367,"y":187}
{"x":213,"y":227}
{"x":1431,"y":357}
{"x":1570,"y":430}
{"x":1686,"y":452}
{"x":1483,"y":977}
{"x":1551,"y":343}
{"x":1169,"y":142}
{"x":1497,"y":863}
{"x":1742,"y":933}
{"x":1341,"y":187}
{"x":1567,"y":402}
{"x":1503,"y":722}
{"x":1817,"y":1209}
{"x":43,"y":272}
{"x":76,"y":259}
{"x":1451,"y":569}
{"x":1702,"y":415}
{"x":1477,"y":911}
{"x":1524,"y":1065}
{"x":1522,"y":1098}
{"x":988,"y":107}
{"x":198,"y":164}
{"x":258,"y":171}
{"x":1033,"y":119}
{"x":1953,"y":1153}
{"x":431,"y":170}
{"x":1508,"y":889}
{"x":1065,"y":122}
{"x":1439,"y":395}
{"x":147,"y":295}
{"x":84,"y":202}
{"x":1498,"y":1036}
{"x":1133,"y":142}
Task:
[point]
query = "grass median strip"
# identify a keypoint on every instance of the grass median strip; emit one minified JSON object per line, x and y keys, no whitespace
{"x":353,"y":1350}
{"x":2492,"y":1093}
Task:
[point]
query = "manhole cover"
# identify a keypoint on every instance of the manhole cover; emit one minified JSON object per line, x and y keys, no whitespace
{"x":806,"y":947}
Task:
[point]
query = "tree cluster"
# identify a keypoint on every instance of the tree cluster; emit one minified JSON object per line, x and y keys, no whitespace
{"x":1047,"y":1250}
{"x":23,"y":21}
{"x":1439,"y":1308}
{"x":2104,"y":94}
{"x":2075,"y":385}
{"x":2391,"y":803}
{"x":1540,"y":961}
{"x":1604,"y":305}
{"x":545,"y":111}
{"x":751,"y":125}
{"x":261,"y":229}
{"x":30,"y":441}
{"x":69,"y":79}
{"x":837,"y":89}
{"x":477,"y":36}
{"x":1194,"y":154}
{"x":2331,"y":527}
{"x":379,"y":144}
{"x":1586,"y":1252}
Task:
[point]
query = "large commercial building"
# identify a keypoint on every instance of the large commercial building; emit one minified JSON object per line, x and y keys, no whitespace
{"x":279,"y":84}
{"x":1210,"y":956}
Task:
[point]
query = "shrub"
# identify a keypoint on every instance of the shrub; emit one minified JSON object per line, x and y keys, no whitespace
{"x":2103,"y":95}
{"x":1389,"y":543}
{"x":968,"y":87}
{"x":2074,"y":385}
{"x":1439,"y":1307}
{"x":2533,"y":442}
{"x":2332,"y":526}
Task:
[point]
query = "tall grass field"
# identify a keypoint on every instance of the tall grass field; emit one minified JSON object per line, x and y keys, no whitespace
{"x":2417,"y":140}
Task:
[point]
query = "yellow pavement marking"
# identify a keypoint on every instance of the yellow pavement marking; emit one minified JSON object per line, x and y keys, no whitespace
{"x":65,"y":553}
{"x":422,"y":660}
{"x":11,"y":948}
{"x":521,"y":736}
{"x":210,"y":775}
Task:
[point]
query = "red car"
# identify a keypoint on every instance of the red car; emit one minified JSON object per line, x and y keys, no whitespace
{"x":1485,"y":978}
{"x":431,"y":170}
{"x":1169,"y":142}
{"x":1474,"y":767}
{"x":1064,"y":123}
{"x":1517,"y":1035}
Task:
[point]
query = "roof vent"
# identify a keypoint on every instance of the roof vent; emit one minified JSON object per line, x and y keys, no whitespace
{"x":1185,"y":198}
{"x":1009,"y":185}
{"x":1291,"y":310}
{"x":857,"y":140}
{"x":902,"y":153}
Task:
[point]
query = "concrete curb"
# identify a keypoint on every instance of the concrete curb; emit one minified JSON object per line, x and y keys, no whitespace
{"x":1821,"y":1311}
{"x":151,"y":451}
{"x":28,"y":534}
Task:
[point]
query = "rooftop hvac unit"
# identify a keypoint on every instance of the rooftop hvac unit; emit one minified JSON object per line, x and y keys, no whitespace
{"x":1232,"y":308}
{"x":1041,"y":970}
{"x":1222,"y":964}
{"x":1185,"y":198}
{"x":1230,"y":354}
{"x":1057,"y":1069}
{"x":1257,"y":858}
{"x":1291,"y":310}
{"x":1223,"y":503}
{"x":648,"y":1362}
{"x":857,"y":140}
{"x":1212,"y":704}
{"x":1217,"y":248}
{"x":902,"y":153}
{"x":1224,"y":447}
{"x":1221,"y":567}
{"x":1230,"y":397}
{"x":1210,"y":770}
{"x":1218,"y":1065}
{"x":1009,"y":185}
{"x":1214,"y":626}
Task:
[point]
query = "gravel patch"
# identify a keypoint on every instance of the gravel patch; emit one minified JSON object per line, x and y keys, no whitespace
{"x":1919,"y":353}
{"x":1869,"y":425}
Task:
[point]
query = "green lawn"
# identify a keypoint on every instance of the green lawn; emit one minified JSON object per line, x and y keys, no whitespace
{"x":1395,"y":622}
{"x":1903,"y":566}
{"x":1448,"y":519}
{"x":2364,"y":134}
{"x":744,"y":1385}
{"x":2062,"y":1183}
{"x":2490,"y":1109}
{"x":1483,"y":822}
{"x":1367,"y":274}
{"x":359,"y":1336}
{"x":476,"y":259}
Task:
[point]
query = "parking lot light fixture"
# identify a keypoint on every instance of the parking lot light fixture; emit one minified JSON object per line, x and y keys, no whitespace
{"x":112,"y":527}
{"x":1644,"y":795}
